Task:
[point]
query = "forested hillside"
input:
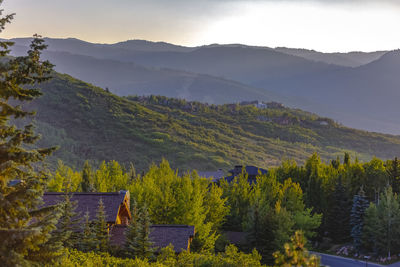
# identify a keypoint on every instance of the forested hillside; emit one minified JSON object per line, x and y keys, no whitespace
{"x":87,"y":122}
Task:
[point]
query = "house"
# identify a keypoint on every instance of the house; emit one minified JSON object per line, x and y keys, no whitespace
{"x":117,"y":210}
{"x":251,"y":171}
{"x":180,"y":236}
{"x":214,"y":175}
{"x":116,"y":205}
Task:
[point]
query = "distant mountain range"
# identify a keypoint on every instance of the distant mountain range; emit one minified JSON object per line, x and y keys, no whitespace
{"x":89,"y":123}
{"x":360,"y":90}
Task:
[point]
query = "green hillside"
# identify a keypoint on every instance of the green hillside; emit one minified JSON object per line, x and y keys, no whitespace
{"x":90,"y":123}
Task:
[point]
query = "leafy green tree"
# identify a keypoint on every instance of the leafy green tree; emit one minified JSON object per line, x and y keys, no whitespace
{"x":101,"y":229}
{"x":371,"y":229}
{"x":62,"y":175}
{"x":296,"y":254}
{"x":360,"y":204}
{"x":87,"y":178}
{"x":24,"y":227}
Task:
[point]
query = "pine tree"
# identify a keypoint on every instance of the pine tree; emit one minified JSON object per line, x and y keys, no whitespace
{"x":132,"y":233}
{"x":360,"y":204}
{"x":24,"y":227}
{"x":145,"y":249}
{"x":296,"y":253}
{"x":101,"y":228}
{"x":67,"y":227}
{"x":338,"y":224}
{"x":88,"y":242}
{"x":87,"y":178}
{"x":393,"y":170}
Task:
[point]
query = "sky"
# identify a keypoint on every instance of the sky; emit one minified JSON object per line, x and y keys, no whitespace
{"x":323,"y":25}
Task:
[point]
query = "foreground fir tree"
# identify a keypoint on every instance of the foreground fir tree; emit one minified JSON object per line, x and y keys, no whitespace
{"x":132,"y":233}
{"x":360,"y":204}
{"x":68,"y":225}
{"x":101,"y":229}
{"x":145,"y":249}
{"x":296,"y":254}
{"x":24,"y":226}
{"x":88,"y":241}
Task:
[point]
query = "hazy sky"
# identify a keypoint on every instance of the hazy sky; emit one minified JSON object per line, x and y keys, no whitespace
{"x":325,"y":25}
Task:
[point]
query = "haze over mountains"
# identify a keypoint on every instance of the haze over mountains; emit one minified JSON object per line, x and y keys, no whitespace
{"x":360,"y":90}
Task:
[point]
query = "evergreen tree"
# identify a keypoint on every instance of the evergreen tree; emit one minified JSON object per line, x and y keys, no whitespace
{"x":101,"y":228}
{"x":346,"y":160}
{"x":296,"y":254}
{"x":145,"y":249}
{"x":68,"y":225}
{"x":88,"y":241}
{"x":371,"y":229}
{"x":87,"y":178}
{"x":132,"y":233}
{"x":338,"y":224}
{"x":360,"y":204}
{"x":24,"y":227}
{"x":393,"y":170}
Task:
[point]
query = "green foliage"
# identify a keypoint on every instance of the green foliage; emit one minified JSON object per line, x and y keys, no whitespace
{"x":87,"y":178}
{"x":167,"y":258}
{"x":360,"y":204}
{"x":296,"y":254}
{"x":381,"y":233}
{"x":338,"y":225}
{"x":88,"y":240}
{"x":100,"y":229}
{"x":24,"y":226}
{"x":110,"y":177}
{"x":132,"y":232}
{"x":144,"y":245}
{"x":63,"y":175}
{"x":174,"y":199}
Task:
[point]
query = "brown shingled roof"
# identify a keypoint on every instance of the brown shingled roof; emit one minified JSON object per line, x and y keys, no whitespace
{"x":90,"y":202}
{"x":179,"y":236}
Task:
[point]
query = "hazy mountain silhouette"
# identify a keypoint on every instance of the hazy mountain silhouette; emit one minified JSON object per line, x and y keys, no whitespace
{"x":360,"y":90}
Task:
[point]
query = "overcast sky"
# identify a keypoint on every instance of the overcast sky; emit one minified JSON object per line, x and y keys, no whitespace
{"x":325,"y":25}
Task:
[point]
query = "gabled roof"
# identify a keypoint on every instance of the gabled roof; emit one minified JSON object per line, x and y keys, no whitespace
{"x":161,"y":235}
{"x":251,"y":170}
{"x":90,"y":202}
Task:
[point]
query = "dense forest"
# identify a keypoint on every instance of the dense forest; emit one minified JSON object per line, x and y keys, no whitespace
{"x":87,"y":122}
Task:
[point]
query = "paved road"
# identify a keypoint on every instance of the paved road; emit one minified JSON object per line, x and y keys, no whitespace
{"x":335,"y":261}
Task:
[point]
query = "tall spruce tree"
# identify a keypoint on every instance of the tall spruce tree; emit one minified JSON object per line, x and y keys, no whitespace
{"x":24,"y":227}
{"x":338,"y":224}
{"x":360,"y":204}
{"x":145,"y":250}
{"x":101,"y":228}
{"x":68,"y":225}
{"x":393,"y":170}
{"x":88,"y":241}
{"x":87,"y":178}
{"x":132,"y":233}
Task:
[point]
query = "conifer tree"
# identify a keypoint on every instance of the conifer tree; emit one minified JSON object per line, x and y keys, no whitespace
{"x":24,"y":227}
{"x":296,"y":253}
{"x":67,"y":227}
{"x":87,"y":178}
{"x":393,"y":170}
{"x":88,"y":242}
{"x":339,"y":215}
{"x":101,"y":228}
{"x":145,"y":249}
{"x":360,"y":204}
{"x":132,"y":233}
